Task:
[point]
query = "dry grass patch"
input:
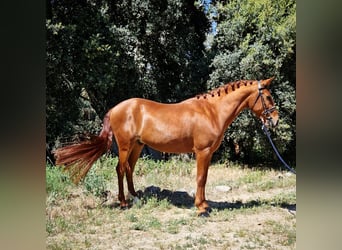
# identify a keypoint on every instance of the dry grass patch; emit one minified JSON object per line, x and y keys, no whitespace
{"x":258,"y":211}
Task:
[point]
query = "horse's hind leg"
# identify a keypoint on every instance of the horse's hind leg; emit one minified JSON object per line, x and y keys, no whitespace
{"x":121,"y":170}
{"x":133,"y":157}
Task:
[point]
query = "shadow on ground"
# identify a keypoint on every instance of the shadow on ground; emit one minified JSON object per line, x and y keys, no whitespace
{"x":185,"y":200}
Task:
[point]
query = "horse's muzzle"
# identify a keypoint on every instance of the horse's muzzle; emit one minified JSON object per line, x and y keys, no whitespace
{"x":272,"y":122}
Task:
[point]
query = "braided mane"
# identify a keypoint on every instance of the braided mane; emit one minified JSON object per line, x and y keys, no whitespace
{"x":225,"y":89}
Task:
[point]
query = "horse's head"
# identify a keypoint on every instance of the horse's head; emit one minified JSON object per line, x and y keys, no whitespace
{"x":263,"y":106}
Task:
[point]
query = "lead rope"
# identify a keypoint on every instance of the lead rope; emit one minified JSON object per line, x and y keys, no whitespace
{"x":275,"y":149}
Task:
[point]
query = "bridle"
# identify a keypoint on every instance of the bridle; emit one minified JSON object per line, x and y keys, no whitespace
{"x":266,"y":111}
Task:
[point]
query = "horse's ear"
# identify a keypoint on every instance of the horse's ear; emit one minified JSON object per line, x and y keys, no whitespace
{"x":268,"y":81}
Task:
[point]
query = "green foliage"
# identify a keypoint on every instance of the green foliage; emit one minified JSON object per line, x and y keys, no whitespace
{"x":102,"y":173}
{"x":57,"y":182}
{"x":95,"y":183}
{"x":256,"y":40}
{"x":113,"y":50}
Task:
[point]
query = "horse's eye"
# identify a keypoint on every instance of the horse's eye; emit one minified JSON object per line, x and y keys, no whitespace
{"x":269,"y":98}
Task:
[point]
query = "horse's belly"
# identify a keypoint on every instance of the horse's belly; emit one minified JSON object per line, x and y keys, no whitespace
{"x":171,"y":146}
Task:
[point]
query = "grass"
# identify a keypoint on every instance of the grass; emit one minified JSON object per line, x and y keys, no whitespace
{"x":57,"y":182}
{"x":252,"y":215}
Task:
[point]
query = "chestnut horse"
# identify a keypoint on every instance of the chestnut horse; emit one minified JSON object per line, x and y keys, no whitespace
{"x":194,"y":125}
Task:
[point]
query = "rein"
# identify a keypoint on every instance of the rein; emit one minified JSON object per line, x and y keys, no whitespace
{"x":275,"y":149}
{"x":267,"y":112}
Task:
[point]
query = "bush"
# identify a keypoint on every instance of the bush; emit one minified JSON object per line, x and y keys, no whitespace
{"x":257,"y":40}
{"x":57,"y":181}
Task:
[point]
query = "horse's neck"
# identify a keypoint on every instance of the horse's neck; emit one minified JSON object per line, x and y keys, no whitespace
{"x":230,"y":106}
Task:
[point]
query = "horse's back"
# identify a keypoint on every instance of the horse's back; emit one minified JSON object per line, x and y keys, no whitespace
{"x":164,"y":127}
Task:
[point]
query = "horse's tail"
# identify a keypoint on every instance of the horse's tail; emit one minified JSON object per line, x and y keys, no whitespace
{"x":78,"y":158}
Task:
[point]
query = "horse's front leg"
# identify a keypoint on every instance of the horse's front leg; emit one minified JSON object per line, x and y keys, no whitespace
{"x":203,"y":160}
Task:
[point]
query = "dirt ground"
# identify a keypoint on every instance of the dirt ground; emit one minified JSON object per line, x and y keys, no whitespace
{"x":251,"y":209}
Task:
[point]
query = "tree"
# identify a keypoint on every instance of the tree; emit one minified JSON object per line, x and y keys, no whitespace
{"x":113,"y":50}
{"x":256,"y":40}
